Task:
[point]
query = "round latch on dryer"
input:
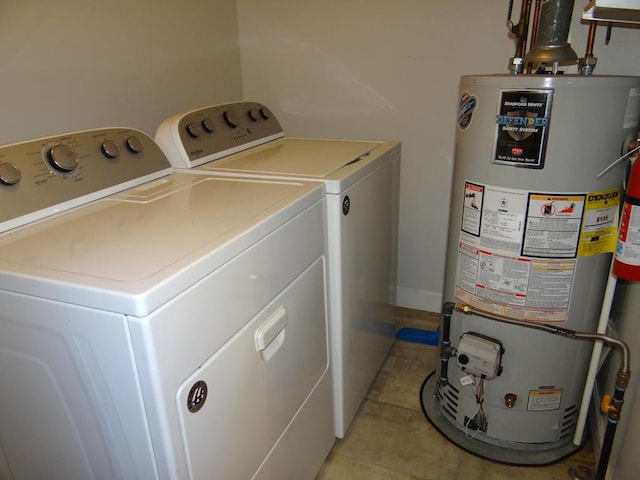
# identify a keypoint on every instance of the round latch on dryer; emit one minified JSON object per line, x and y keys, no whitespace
{"x":197,"y":396}
{"x":346,"y":205}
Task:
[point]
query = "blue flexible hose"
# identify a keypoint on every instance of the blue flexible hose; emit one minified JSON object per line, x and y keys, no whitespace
{"x":416,"y":335}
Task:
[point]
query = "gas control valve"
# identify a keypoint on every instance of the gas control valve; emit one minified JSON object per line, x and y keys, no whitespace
{"x":480,"y":355}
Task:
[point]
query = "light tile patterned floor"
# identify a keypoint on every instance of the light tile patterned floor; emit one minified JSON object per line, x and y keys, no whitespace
{"x":391,"y":439}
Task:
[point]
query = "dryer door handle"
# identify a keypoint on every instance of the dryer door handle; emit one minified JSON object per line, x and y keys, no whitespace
{"x":270,"y":329}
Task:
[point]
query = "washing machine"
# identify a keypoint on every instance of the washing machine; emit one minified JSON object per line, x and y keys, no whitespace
{"x":157,"y":325}
{"x":362,"y":187}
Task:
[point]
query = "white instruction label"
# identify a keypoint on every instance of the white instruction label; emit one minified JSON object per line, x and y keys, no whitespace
{"x":518,"y":249}
{"x":542,"y":400}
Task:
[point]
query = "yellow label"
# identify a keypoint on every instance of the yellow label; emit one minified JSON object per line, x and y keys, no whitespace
{"x":600,"y":223}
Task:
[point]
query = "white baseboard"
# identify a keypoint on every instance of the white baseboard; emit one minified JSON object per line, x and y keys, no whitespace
{"x":419,"y":299}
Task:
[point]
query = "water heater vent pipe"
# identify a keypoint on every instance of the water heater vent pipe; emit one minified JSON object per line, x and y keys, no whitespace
{"x":551,"y":46}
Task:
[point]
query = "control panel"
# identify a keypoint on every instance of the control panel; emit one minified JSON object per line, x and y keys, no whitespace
{"x":213,"y":132}
{"x":479,"y":355}
{"x":45,"y":176}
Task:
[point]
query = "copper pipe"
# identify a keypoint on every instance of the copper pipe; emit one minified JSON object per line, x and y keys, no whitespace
{"x":523,"y":28}
{"x":534,"y":30}
{"x":536,"y":20}
{"x":591,"y":39}
{"x":587,"y":64}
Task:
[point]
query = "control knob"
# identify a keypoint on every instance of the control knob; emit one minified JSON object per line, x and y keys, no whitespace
{"x":134,"y":144}
{"x":193,"y":130}
{"x":110,"y":149}
{"x":9,"y":174}
{"x":228,"y":119}
{"x":253,"y":115}
{"x":62,"y":158}
{"x":264,"y":113}
{"x":208,"y":125}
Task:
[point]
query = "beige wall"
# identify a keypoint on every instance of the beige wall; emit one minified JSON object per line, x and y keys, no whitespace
{"x":73,"y":64}
{"x":380,"y":69}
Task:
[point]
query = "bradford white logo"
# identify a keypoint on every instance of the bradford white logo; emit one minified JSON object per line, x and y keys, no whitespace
{"x":467,"y":105}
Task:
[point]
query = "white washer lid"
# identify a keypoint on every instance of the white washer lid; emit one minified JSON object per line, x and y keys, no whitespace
{"x":133,"y":251}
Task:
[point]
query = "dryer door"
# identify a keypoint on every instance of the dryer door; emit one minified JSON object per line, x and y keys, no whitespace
{"x":234,"y":408}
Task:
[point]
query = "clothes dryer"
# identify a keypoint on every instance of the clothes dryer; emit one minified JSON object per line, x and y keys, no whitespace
{"x":362,"y":187}
{"x":158,"y":325}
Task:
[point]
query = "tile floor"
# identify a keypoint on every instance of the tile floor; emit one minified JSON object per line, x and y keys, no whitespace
{"x":390,"y":438}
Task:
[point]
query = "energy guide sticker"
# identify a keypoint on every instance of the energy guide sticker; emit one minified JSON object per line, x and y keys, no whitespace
{"x":600,"y":225}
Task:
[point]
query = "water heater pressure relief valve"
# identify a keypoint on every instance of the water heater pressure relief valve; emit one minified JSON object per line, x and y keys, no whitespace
{"x":479,"y":355}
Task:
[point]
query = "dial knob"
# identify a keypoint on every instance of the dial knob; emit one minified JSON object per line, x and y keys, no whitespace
{"x":9,"y":174}
{"x":254,"y":115}
{"x":264,"y":113}
{"x":134,"y":144}
{"x":110,"y":149}
{"x":208,"y":125}
{"x":228,"y":119}
{"x":193,"y":130}
{"x":62,"y":158}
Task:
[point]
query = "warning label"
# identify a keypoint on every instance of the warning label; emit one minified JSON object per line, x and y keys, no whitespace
{"x":553,"y":225}
{"x":518,"y":250}
{"x":543,"y":400}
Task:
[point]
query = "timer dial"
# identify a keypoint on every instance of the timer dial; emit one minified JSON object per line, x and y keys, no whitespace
{"x":62,"y":158}
{"x":228,"y":119}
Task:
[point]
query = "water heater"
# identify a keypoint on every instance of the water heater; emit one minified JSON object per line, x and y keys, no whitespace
{"x":531,"y":233}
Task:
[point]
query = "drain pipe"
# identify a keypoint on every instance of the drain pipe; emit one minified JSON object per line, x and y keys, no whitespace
{"x":612,"y":406}
{"x":445,"y":342}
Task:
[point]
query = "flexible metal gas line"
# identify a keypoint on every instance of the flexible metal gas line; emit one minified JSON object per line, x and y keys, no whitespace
{"x":564,"y":332}
{"x":611,"y":405}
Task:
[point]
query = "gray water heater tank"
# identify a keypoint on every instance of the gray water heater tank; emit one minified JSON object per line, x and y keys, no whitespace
{"x":531,"y":232}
